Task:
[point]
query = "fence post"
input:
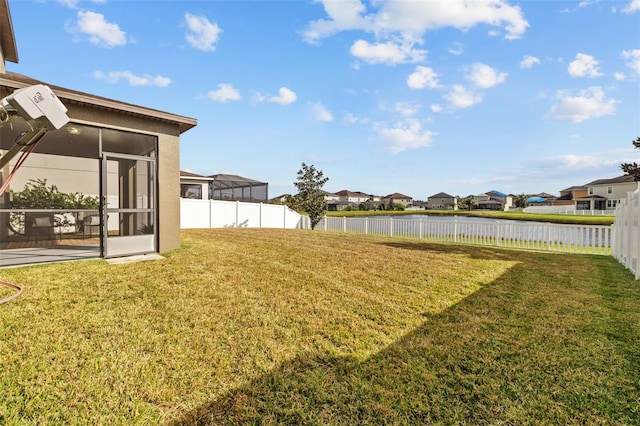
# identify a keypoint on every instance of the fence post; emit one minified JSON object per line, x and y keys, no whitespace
{"x":455,"y":230}
{"x":498,"y":226}
{"x":237,"y":214}
{"x":637,"y":252}
{"x":420,"y":230}
{"x":210,"y":214}
{"x":344,"y":224}
{"x":391,"y":227}
{"x":366,"y":225}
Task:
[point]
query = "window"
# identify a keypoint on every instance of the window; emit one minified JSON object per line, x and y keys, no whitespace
{"x":609,"y":189}
{"x":611,"y":204}
{"x":590,"y":190}
{"x":191,"y":190}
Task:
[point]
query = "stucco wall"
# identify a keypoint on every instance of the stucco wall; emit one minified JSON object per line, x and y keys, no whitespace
{"x":169,"y":192}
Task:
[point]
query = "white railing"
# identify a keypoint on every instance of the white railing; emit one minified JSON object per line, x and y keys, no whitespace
{"x":235,"y":214}
{"x":569,"y":210}
{"x":587,"y":239}
{"x":626,"y":235}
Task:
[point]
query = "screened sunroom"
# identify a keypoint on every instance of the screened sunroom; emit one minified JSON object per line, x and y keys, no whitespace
{"x":104,"y":185}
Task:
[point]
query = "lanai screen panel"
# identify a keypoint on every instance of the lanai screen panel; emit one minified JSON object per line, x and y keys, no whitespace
{"x":238,"y":188}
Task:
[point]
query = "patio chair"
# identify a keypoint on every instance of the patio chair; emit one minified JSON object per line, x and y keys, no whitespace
{"x":89,"y":223}
{"x":37,"y":226}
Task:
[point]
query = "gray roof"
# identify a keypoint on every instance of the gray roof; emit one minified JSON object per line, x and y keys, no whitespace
{"x":618,"y":179}
{"x":442,"y":195}
{"x":13,"y":80}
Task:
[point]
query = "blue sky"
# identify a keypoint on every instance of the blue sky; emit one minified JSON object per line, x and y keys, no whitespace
{"x":415,"y":97}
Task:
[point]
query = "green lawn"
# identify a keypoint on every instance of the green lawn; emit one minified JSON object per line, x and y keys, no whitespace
{"x":246,"y":326}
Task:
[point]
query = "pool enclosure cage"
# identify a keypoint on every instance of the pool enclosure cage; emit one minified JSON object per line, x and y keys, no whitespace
{"x":238,"y":188}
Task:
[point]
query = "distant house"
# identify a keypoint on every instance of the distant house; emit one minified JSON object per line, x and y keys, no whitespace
{"x":605,"y":194}
{"x":194,"y":186}
{"x":222,"y":187}
{"x":346,"y":199}
{"x":541,"y":199}
{"x":569,"y":195}
{"x":442,"y":201}
{"x":494,"y":200}
{"x":397,"y":198}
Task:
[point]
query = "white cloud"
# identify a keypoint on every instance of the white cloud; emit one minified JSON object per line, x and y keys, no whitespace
{"x":203,"y":34}
{"x":411,"y":19}
{"x":387,"y":53}
{"x":225,"y":93}
{"x":633,"y":59}
{"x":343,"y":15}
{"x":349,"y":119}
{"x":584,"y":66}
{"x":321,"y":112}
{"x":436,"y":108}
{"x":423,"y":77}
{"x":100,"y":31}
{"x":285,"y":97}
{"x":405,"y":135}
{"x":529,"y":61}
{"x":587,"y":104}
{"x":484,"y":76}
{"x":460,"y":97}
{"x":406,"y":109}
{"x":619,"y":76}
{"x":632,"y":7}
{"x":132,"y":79}
{"x":456,"y":49}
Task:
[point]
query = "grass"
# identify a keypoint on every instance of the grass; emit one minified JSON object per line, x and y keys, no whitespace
{"x":246,"y":326}
{"x":490,"y":214}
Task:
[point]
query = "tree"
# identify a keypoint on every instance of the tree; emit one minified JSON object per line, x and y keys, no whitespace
{"x":37,"y":195}
{"x":310,"y":195}
{"x":632,"y":169}
{"x":468,"y":202}
{"x":520,"y":200}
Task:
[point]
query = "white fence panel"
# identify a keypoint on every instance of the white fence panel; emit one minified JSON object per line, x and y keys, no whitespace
{"x":588,"y":239}
{"x":569,"y":210}
{"x":223,"y":214}
{"x":235,"y":214}
{"x":194,"y":214}
{"x":626,"y":238}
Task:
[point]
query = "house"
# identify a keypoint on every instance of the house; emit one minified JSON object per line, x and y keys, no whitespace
{"x":123,"y":156}
{"x":569,"y":195}
{"x":540,"y":199}
{"x":442,"y":201}
{"x":222,"y":187}
{"x":194,"y":186}
{"x":604,"y":194}
{"x":397,"y":198}
{"x":345,"y":199}
{"x":494,"y":200}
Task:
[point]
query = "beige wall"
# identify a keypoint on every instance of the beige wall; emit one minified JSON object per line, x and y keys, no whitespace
{"x":169,"y":192}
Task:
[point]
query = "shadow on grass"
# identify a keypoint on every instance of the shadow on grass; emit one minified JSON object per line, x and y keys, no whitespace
{"x":517,"y":351}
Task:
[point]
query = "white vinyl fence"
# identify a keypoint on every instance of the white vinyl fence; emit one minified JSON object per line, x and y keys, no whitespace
{"x":235,"y":214}
{"x":569,"y":210}
{"x":588,"y":239}
{"x":626,"y":237}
